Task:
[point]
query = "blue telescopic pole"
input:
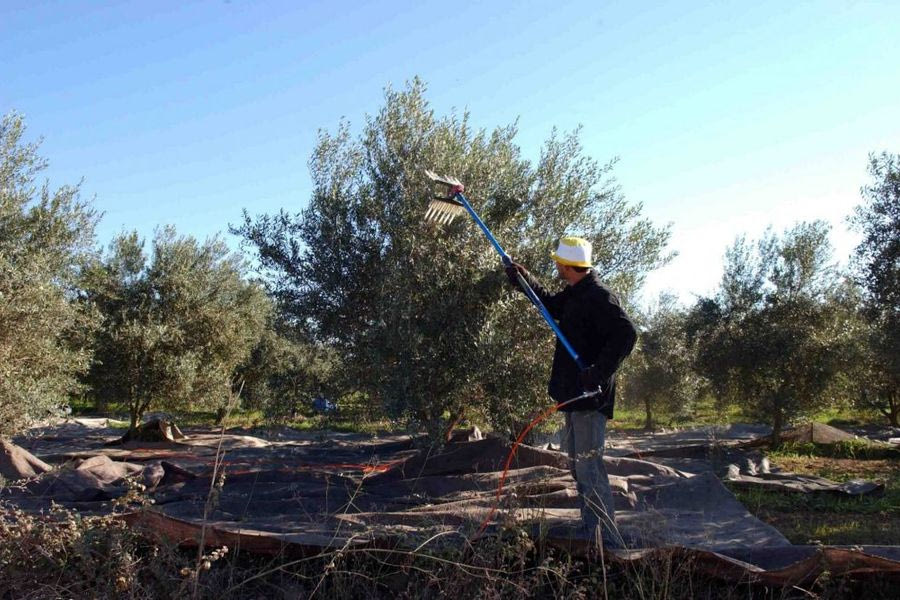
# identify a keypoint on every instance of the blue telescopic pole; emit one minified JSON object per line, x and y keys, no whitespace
{"x":507,"y":261}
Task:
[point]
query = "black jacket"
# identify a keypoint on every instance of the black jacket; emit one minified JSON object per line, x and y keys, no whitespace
{"x":592,"y":319}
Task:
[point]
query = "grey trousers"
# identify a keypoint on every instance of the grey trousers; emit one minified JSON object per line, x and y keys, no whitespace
{"x":583,"y":437}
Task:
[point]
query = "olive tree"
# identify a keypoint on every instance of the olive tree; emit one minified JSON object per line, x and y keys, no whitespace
{"x":773,"y":340}
{"x":877,"y":270}
{"x":420,"y":314}
{"x":176,"y":323}
{"x":285,"y":373}
{"x":660,"y":376}
{"x":46,"y":236}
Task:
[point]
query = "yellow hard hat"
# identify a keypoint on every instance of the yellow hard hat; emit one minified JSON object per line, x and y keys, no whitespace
{"x":573,"y":252}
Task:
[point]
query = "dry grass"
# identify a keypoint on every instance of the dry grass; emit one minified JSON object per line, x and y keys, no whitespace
{"x":66,"y":556}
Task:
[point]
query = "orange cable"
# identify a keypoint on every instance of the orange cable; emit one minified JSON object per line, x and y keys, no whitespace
{"x":547,"y":413}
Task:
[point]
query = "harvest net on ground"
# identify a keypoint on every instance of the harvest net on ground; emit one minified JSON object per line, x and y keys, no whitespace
{"x":311,"y":492}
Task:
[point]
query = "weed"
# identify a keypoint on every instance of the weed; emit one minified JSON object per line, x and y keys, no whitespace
{"x":831,"y":518}
{"x":66,"y":555}
{"x":852,"y":449}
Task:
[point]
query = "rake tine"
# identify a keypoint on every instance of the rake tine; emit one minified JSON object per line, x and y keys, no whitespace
{"x":435,"y":177}
{"x":448,"y":181}
{"x":443,"y":210}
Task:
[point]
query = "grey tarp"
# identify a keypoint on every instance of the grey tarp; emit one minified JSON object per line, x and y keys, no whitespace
{"x":311,"y":494}
{"x":803,"y":484}
{"x":17,"y":463}
{"x":818,"y":433}
{"x":732,"y":453}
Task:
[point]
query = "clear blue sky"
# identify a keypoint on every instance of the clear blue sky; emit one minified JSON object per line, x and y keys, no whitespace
{"x":727,"y":116}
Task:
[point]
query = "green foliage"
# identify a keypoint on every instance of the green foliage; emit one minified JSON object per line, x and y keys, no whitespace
{"x":420,"y":315}
{"x":868,"y":380}
{"x":877,"y":376}
{"x":660,"y":375}
{"x":877,"y":266}
{"x":852,"y":449}
{"x":175,"y":326}
{"x":833,"y":518}
{"x":284,"y":375}
{"x":774,"y":339}
{"x":46,"y":236}
{"x":878,"y":219}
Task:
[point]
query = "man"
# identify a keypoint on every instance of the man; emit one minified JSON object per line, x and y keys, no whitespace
{"x":592,"y":320}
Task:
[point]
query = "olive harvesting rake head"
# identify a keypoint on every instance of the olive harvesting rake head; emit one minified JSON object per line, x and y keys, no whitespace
{"x":445,"y":207}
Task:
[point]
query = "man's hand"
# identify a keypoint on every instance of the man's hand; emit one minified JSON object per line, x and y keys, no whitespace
{"x":512,"y":270}
{"x":590,"y":380}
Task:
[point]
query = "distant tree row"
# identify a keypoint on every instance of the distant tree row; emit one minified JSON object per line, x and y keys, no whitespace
{"x":179,"y":327}
{"x":786,"y":334}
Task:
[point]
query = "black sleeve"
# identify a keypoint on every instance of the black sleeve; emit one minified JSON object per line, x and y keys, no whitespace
{"x":553,"y":302}
{"x":617,"y":333}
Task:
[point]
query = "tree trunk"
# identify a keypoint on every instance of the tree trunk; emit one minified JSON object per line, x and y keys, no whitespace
{"x":101,"y":405}
{"x":777,"y":427}
{"x":648,"y":421}
{"x":893,"y":415}
{"x":455,"y":418}
{"x":137,"y":409}
{"x":134,"y":409}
